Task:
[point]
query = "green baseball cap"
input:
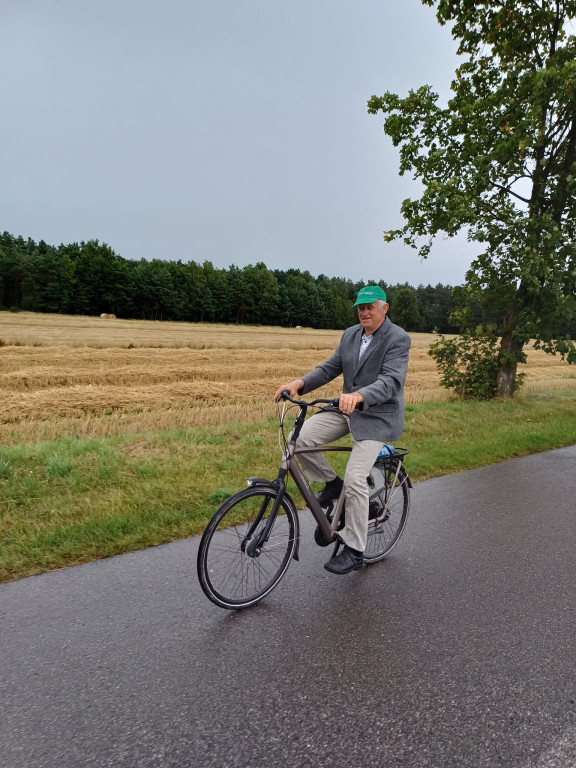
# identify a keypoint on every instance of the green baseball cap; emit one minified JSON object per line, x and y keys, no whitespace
{"x":369,"y":294}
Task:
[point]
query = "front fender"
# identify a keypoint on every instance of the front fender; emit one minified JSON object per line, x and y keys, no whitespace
{"x":252,"y":481}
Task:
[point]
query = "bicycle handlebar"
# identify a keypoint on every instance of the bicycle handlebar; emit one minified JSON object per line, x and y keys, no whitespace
{"x":285,"y":395}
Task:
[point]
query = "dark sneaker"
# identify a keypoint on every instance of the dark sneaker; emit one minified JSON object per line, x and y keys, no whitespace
{"x":330,"y":492}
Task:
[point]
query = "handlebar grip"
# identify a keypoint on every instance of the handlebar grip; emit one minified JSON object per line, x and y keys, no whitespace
{"x":285,"y":395}
{"x":336,"y":404}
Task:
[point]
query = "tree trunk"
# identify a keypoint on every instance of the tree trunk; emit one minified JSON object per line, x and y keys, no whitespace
{"x":510,"y":353}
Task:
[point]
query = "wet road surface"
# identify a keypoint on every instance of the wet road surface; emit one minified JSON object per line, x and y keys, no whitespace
{"x":459,"y":650}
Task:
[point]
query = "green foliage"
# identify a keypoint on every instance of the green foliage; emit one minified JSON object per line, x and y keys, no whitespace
{"x":469,"y":364}
{"x":499,"y":161}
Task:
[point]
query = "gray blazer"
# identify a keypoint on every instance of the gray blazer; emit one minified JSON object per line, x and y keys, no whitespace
{"x":379,"y":377}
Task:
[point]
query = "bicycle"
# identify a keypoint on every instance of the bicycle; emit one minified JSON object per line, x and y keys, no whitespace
{"x":248,"y":544}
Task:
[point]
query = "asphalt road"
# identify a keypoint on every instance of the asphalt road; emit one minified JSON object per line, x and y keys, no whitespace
{"x":457,"y":651}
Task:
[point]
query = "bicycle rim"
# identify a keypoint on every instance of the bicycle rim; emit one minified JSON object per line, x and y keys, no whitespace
{"x":228,"y":576}
{"x":391,"y":494}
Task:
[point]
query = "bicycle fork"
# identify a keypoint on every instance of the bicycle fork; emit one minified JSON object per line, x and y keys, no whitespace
{"x":252,"y":544}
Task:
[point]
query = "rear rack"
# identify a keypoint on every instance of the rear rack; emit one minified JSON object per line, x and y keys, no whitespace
{"x":399,"y":453}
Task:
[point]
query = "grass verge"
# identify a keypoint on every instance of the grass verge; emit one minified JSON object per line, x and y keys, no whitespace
{"x":69,"y":501}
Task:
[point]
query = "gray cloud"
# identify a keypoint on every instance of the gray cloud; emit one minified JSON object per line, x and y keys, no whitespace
{"x":234,"y":131}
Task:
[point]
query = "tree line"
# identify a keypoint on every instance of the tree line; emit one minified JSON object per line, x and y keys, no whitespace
{"x":89,"y":278}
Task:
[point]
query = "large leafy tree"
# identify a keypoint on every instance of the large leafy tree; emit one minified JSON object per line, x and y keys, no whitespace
{"x":499,"y":162}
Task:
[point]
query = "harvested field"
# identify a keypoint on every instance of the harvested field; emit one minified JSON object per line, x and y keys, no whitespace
{"x":80,"y":331}
{"x":80,"y":376}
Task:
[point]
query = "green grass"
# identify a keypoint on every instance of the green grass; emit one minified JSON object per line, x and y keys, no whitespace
{"x":70,"y":501}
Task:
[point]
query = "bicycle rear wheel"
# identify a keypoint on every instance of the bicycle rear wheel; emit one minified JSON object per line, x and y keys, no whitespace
{"x":389,"y":505}
{"x":231,"y":578}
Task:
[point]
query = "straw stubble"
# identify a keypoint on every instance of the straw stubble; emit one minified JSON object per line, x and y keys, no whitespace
{"x":82,"y":377}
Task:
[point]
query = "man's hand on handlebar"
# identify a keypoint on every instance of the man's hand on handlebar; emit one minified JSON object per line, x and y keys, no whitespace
{"x":293,"y":388}
{"x":347,"y":403}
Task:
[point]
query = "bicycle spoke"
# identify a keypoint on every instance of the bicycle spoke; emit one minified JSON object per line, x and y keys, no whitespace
{"x":228,"y":575}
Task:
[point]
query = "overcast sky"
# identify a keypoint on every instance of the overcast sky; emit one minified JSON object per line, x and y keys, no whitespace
{"x":233,"y":131}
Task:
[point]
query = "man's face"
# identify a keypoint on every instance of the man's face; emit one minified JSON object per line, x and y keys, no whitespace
{"x":372,"y":316}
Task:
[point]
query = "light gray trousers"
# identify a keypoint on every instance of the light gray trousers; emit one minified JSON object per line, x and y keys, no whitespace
{"x":323,"y":428}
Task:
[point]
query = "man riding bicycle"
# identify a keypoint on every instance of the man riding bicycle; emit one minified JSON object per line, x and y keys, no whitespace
{"x":373,"y":358}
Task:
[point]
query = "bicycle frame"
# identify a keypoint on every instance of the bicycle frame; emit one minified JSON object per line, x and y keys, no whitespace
{"x":289,"y":466}
{"x":327,"y":528}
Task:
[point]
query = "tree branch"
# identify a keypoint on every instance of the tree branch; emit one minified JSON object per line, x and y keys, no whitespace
{"x":509,"y":191}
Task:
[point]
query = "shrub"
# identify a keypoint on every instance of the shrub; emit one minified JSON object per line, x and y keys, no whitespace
{"x":469,"y":364}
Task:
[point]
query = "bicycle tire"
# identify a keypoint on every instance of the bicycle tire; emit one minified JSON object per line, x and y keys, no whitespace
{"x":228,"y":576}
{"x":390,"y":503}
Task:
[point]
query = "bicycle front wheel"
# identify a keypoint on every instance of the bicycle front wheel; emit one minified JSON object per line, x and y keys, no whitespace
{"x":230,"y":577}
{"x":389,"y":505}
